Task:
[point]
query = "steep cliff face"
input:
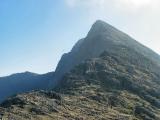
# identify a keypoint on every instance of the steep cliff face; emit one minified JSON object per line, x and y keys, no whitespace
{"x":101,"y":37}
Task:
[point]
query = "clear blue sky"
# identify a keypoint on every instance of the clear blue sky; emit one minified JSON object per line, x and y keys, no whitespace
{"x":35,"y":33}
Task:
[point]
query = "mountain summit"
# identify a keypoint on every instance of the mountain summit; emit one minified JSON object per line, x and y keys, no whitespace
{"x":101,"y":37}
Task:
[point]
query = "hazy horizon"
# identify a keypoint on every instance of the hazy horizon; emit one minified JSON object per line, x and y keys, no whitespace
{"x":34,"y":34}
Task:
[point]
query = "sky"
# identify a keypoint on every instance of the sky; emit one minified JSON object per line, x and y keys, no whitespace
{"x":35,"y":33}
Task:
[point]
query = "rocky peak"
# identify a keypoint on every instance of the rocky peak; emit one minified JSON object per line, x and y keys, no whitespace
{"x":101,"y":37}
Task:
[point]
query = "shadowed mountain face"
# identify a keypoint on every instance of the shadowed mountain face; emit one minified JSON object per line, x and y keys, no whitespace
{"x":101,"y":37}
{"x":22,"y":82}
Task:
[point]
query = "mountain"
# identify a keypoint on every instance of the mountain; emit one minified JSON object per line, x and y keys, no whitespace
{"x":128,"y":83}
{"x":101,"y":37}
{"x":22,"y":82}
{"x":110,"y":87}
{"x":106,"y":76}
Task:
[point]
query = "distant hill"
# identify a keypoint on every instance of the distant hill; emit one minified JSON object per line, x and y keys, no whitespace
{"x":22,"y":82}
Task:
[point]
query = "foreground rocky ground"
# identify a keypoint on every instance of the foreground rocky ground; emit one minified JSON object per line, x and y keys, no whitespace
{"x":95,"y":105}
